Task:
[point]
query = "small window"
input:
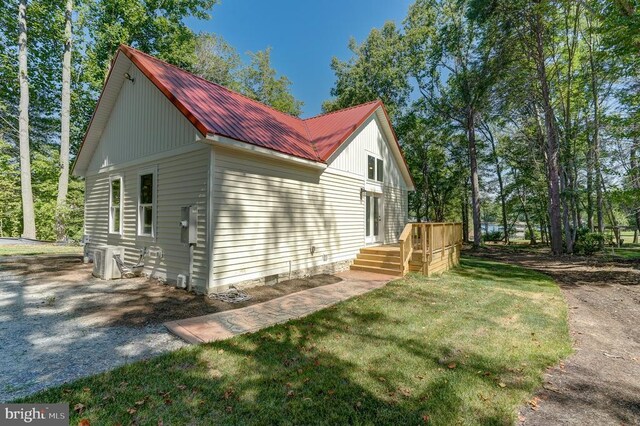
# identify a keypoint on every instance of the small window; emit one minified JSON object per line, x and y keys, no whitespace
{"x":115,"y":205}
{"x":371,"y":170}
{"x":146,"y":205}
{"x":374,"y":168}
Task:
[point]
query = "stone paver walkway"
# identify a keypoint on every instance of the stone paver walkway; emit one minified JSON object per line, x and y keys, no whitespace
{"x":223,"y":325}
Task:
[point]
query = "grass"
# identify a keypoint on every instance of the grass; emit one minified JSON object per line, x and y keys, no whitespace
{"x":33,"y":249}
{"x":468,"y":347}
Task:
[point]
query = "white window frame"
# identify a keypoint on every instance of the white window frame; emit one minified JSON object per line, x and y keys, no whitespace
{"x":154,"y":205}
{"x":375,"y":168}
{"x":111,"y":206}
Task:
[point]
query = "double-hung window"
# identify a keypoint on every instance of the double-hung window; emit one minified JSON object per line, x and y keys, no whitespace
{"x":374,"y":168}
{"x":115,"y":205}
{"x":147,"y":204}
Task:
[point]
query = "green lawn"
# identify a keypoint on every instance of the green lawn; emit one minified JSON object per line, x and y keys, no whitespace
{"x":26,"y":249}
{"x":465,"y":348}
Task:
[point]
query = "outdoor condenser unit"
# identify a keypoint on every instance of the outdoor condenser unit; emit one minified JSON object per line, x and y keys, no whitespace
{"x":104,"y":265}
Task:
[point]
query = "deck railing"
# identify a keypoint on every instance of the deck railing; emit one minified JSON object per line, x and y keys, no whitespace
{"x":431,"y":240}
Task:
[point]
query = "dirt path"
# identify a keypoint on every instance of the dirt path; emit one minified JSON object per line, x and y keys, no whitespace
{"x":600,"y":383}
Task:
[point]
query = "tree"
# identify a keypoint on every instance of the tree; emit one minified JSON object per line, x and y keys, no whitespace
{"x":456,"y":60}
{"x":377,"y":70}
{"x":260,"y":82}
{"x":217,"y":61}
{"x":65,"y":119}
{"x":28,"y":215}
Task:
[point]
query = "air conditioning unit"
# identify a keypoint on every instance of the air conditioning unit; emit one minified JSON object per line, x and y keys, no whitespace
{"x":104,"y":265}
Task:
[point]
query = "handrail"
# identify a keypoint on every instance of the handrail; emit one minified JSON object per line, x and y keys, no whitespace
{"x":406,"y":247}
{"x":421,"y":236}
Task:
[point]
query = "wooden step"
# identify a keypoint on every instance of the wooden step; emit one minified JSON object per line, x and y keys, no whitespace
{"x":377,"y":264}
{"x":376,"y":270}
{"x":379,"y":257}
{"x":385,"y":250}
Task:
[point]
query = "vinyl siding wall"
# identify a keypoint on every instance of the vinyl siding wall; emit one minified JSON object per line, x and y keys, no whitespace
{"x":267,"y":215}
{"x":352,"y":158}
{"x":182,"y":180}
{"x":142,"y":122}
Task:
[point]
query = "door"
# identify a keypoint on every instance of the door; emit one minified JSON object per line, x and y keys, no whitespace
{"x":373,"y":219}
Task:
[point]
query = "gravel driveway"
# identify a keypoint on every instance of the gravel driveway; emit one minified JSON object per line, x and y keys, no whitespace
{"x":52,"y":330}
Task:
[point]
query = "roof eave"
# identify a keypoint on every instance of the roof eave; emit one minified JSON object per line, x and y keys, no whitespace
{"x":226,"y":142}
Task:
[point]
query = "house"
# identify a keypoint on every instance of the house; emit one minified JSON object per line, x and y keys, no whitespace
{"x":271,"y":195}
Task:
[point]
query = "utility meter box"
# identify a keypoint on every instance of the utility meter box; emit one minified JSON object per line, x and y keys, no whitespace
{"x":189,"y":225}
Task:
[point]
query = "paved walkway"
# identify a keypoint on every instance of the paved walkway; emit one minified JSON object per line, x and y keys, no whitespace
{"x":223,"y":325}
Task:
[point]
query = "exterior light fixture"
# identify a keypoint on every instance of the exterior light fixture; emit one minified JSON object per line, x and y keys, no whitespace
{"x":362,"y":193}
{"x":128,"y":77}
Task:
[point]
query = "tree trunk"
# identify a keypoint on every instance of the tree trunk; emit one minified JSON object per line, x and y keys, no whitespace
{"x":589,"y":184}
{"x":65,"y":118}
{"x":565,"y":214}
{"x":553,"y":177}
{"x":28,"y":215}
{"x":635,"y":184}
{"x":475,"y":183}
{"x":465,"y":213}
{"x":532,"y":235}
{"x":503,"y":198}
{"x":596,"y":134}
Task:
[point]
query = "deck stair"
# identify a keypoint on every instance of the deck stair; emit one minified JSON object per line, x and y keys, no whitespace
{"x":379,"y":259}
{"x":426,"y":248}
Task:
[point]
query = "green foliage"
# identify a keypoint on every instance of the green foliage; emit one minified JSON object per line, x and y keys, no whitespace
{"x":493,"y":236}
{"x":587,"y":242}
{"x":527,"y":235}
{"x":260,"y":82}
{"x":377,"y":70}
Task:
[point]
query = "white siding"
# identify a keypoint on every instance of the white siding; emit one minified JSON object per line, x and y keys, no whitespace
{"x":182,"y":179}
{"x":143,"y":122}
{"x":267,"y":215}
{"x":352,"y":157}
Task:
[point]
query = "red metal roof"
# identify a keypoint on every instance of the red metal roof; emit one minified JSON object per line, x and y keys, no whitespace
{"x":216,"y":110}
{"x":328,"y":131}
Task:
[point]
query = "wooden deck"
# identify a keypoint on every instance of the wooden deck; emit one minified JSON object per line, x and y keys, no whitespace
{"x":427,"y":248}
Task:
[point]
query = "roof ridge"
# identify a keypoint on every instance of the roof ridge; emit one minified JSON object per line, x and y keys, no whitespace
{"x":340,"y":110}
{"x":211,"y":82}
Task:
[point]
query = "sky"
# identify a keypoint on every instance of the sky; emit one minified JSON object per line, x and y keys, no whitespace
{"x":304,"y":35}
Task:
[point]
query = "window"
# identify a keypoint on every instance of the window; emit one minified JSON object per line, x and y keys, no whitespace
{"x":146,"y":205}
{"x":115,"y":205}
{"x":374,"y":168}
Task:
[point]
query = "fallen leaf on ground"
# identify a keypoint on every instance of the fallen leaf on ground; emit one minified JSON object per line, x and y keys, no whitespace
{"x":84,"y":422}
{"x":425,"y":418}
{"x":141,"y":402}
{"x":86,"y":389}
{"x":502,"y":385}
{"x":452,"y":365}
{"x":181,"y":387}
{"x":132,"y":410}
{"x":79,"y":408}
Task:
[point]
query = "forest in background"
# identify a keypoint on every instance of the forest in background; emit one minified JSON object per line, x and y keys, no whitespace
{"x":507,"y":110}
{"x":79,"y":40}
{"x":512,"y":110}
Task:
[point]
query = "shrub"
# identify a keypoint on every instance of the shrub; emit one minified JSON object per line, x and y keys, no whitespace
{"x":588,"y":242}
{"x":527,"y":235}
{"x":493,"y":236}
